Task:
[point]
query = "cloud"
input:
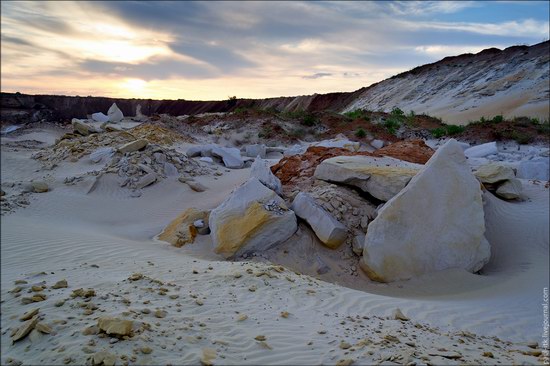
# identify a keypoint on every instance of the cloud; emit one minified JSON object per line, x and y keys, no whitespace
{"x":317,"y":75}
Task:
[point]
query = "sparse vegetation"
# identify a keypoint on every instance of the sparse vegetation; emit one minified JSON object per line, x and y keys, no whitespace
{"x":360,"y":133}
{"x":447,"y":130}
{"x":357,"y":114}
{"x":232,"y":101}
{"x":265,"y":133}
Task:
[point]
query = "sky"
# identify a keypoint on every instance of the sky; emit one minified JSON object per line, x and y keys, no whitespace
{"x":212,"y":50}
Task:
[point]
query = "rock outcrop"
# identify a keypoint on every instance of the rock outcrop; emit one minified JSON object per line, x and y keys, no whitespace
{"x":433,"y":224}
{"x":382,"y":178}
{"x":252,"y":218}
{"x":329,"y":230}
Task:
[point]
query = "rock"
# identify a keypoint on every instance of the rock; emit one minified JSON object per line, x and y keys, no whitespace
{"x":202,"y":227}
{"x":203,"y":150}
{"x":170,"y":169}
{"x":357,"y":245}
{"x":25,"y":329}
{"x":340,"y":141}
{"x":133,"y":146}
{"x":146,"y":180}
{"x":482,"y":150}
{"x":295,"y":150}
{"x":104,"y":358}
{"x":364,"y":223}
{"x":208,"y":354}
{"x":433,"y":224}
{"x":82,"y":128}
{"x":537,"y":168}
{"x":196,"y":186}
{"x":329,"y":230}
{"x":139,"y":115}
{"x":231,"y":156}
{"x":207,"y":159}
{"x":60,"y":284}
{"x":398,"y":315}
{"x":253,"y":217}
{"x":510,"y":189}
{"x":182,"y":230}
{"x":263,"y":173}
{"x":256,"y":150}
{"x":100,"y":117}
{"x":103,"y":152}
{"x":382,"y":177}
{"x":377,"y":144}
{"x":29,"y":314}
{"x":115,"y":114}
{"x":43,"y":328}
{"x":493,"y":173}
{"x":39,"y":187}
{"x":114,"y":326}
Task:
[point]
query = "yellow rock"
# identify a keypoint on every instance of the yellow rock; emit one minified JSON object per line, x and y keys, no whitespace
{"x":25,"y":329}
{"x":235,"y":231}
{"x":181,"y":230}
{"x":115,"y":326}
{"x":208,"y":354}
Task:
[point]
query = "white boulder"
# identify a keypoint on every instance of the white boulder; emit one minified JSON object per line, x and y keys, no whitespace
{"x":536,"y":168}
{"x":330,"y":231}
{"x":382,"y":177}
{"x":377,"y":144}
{"x":100,"y":117}
{"x":262,"y":172}
{"x":435,"y":223}
{"x":340,"y":141}
{"x":510,"y":189}
{"x":231,"y":156}
{"x":115,"y":114}
{"x":253,"y":151}
{"x":252,"y":218}
{"x":295,"y":150}
{"x":482,"y":150}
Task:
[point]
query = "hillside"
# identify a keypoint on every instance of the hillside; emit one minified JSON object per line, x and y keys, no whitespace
{"x":511,"y":82}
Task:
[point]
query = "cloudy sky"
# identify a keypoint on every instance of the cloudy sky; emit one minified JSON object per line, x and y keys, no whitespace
{"x":211,"y":50}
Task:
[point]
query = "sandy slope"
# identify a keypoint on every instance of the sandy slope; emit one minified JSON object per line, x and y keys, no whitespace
{"x":98,"y":240}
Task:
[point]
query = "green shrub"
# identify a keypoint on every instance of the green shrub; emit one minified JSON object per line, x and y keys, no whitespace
{"x":497,"y":119}
{"x":454,"y":129}
{"x":392,"y":125}
{"x":438,"y":132}
{"x":396,"y":112}
{"x":360,"y":133}
{"x":309,"y":120}
{"x":358,"y":113}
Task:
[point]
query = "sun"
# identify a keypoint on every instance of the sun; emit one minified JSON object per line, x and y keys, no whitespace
{"x":134,"y":86}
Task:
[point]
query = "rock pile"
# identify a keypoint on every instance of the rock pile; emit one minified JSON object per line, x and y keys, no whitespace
{"x":500,"y":179}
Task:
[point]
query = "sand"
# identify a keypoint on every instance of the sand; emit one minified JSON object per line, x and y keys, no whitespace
{"x":218,"y":311}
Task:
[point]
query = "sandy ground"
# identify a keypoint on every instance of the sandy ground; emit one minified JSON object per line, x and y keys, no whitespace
{"x":191,"y":306}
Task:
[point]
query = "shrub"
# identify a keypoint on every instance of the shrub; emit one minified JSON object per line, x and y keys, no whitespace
{"x":396,"y":112}
{"x":392,"y":125}
{"x":360,"y":133}
{"x":438,"y":132}
{"x":309,"y":120}
{"x":358,"y":113}
{"x":497,"y":119}
{"x":454,"y":129}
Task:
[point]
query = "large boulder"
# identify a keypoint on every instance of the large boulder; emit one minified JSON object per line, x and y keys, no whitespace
{"x":493,"y":173}
{"x":255,"y":150}
{"x":382,"y":177}
{"x":480,"y":151}
{"x":100,"y":117}
{"x":260,"y":170}
{"x":510,"y":189}
{"x":433,"y":224}
{"x":252,"y":218}
{"x":115,"y":114}
{"x":231,"y":156}
{"x":330,"y":231}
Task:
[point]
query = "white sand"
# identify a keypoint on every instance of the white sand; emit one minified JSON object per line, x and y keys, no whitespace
{"x":98,"y":240}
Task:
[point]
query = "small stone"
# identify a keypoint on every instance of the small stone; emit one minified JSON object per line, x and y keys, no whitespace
{"x":196,"y":186}
{"x":40,"y":187}
{"x":345,"y":345}
{"x":83,"y":293}
{"x":260,"y":338}
{"x":90,"y":330}
{"x":25,"y":329}
{"x":160,"y":314}
{"x":29,"y":314}
{"x":199,"y":302}
{"x":60,"y":284}
{"x":59,"y":303}
{"x":398,"y":315}
{"x":345,"y":362}
{"x":285,"y":314}
{"x":135,"y":277}
{"x":252,"y":288}
{"x":36,"y":288}
{"x":43,"y":328}
{"x":242,"y":317}
{"x":146,"y":350}
{"x":488,"y":354}
{"x":208,"y":354}
{"x":115,"y":326}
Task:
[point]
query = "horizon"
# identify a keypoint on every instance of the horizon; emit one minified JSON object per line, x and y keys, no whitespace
{"x":195,"y":51}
